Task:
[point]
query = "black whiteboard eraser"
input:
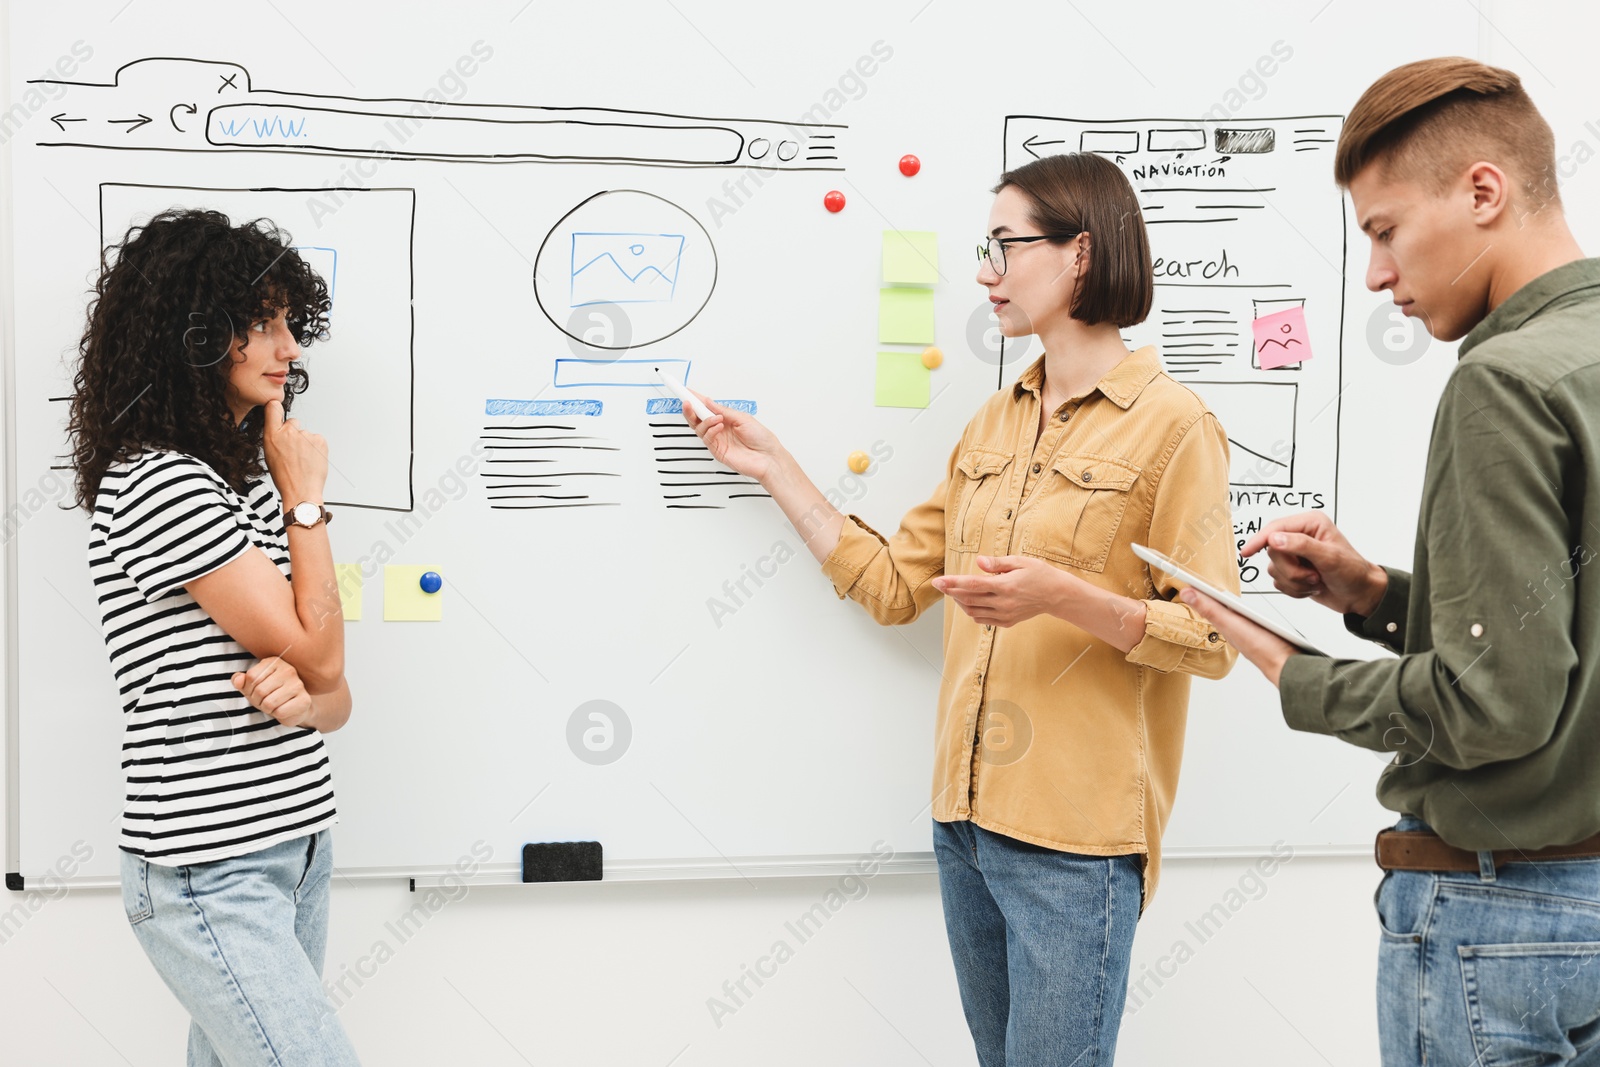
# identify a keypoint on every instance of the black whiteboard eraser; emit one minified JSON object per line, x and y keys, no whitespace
{"x":561,"y":861}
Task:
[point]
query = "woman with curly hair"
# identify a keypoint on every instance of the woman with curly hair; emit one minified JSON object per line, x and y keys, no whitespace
{"x":230,"y":661}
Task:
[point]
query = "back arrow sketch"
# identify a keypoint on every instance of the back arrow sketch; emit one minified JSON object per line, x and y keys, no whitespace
{"x":1029,"y":144}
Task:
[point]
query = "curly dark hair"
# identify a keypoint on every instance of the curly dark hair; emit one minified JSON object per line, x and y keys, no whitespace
{"x":171,"y":301}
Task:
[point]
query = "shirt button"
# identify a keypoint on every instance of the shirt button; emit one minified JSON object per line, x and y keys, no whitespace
{"x":1088,"y":477}
{"x":1392,"y":627}
{"x":1477,"y":629}
{"x":1212,"y":637}
{"x":1037,"y":468}
{"x":1008,"y":513}
{"x":1064,"y":416}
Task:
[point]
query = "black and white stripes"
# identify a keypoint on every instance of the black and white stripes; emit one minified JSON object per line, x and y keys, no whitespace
{"x":208,"y":776}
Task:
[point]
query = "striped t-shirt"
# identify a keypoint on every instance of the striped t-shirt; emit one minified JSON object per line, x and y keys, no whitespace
{"x":208,"y":776}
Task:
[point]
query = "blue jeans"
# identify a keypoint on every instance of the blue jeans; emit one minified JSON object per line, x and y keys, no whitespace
{"x":1042,"y":942}
{"x":1494,"y":969}
{"x":240,"y":943}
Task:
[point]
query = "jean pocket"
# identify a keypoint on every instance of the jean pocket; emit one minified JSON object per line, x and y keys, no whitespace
{"x":136,"y":888}
{"x":1532,"y":1003}
{"x":1401,"y":902}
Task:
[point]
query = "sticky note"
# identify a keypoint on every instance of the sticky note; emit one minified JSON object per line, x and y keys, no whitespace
{"x":910,"y":256}
{"x":348,"y":578}
{"x":1282,"y":338}
{"x":905,"y":316}
{"x":902,"y":380}
{"x":404,"y":600}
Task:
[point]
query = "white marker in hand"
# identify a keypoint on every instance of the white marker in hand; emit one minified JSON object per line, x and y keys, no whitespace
{"x":684,"y":395}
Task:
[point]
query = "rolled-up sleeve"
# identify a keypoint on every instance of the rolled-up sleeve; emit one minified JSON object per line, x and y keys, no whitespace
{"x":1191,"y":522}
{"x":891,"y":577}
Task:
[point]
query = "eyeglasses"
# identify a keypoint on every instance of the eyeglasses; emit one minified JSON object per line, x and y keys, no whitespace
{"x":994,"y":248}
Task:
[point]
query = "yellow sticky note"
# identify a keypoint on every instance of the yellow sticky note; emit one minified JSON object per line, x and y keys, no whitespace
{"x":348,"y":577}
{"x":905,"y":316}
{"x":910,"y":256}
{"x":902,"y":381}
{"x":403,"y":598}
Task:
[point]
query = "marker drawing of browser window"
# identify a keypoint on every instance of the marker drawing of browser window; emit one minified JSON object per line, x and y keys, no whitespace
{"x":1248,"y":238}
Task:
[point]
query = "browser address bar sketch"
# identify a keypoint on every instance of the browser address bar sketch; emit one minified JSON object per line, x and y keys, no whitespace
{"x":194,"y":105}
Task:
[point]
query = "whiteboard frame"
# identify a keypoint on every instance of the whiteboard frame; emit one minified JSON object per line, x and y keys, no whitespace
{"x":8,"y":476}
{"x":661,"y":869}
{"x":703,"y":870}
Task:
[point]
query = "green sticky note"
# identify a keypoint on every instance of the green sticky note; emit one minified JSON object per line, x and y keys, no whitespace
{"x":910,"y":256}
{"x":905,"y":316}
{"x":404,"y":600}
{"x":348,"y":577}
{"x":902,"y":380}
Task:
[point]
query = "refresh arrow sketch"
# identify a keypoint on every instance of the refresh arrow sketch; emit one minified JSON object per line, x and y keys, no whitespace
{"x":140,"y":121}
{"x":190,"y":108}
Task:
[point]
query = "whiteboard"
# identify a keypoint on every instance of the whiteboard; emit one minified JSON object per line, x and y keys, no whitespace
{"x":635,"y":647}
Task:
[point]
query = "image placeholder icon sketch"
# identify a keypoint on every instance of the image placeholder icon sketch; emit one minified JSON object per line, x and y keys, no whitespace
{"x":625,"y":268}
{"x":630,"y":248}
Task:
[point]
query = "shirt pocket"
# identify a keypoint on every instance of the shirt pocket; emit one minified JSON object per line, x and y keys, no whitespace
{"x":981,"y":475}
{"x":1074,"y":516}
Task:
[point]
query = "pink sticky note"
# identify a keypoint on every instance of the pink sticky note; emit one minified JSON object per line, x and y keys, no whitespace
{"x":1282,"y":338}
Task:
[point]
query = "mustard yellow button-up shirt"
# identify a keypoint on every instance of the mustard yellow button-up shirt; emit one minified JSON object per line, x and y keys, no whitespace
{"x":1046,"y":733}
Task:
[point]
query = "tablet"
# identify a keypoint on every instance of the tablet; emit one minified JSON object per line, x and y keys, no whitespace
{"x":1162,"y":563}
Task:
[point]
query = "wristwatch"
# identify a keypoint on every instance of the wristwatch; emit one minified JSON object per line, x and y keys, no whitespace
{"x":306,"y":514}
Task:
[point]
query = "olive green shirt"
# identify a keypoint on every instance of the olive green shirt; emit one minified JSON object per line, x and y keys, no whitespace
{"x":1492,"y":709}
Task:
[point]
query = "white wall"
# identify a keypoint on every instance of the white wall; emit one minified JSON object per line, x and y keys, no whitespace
{"x":621,"y":973}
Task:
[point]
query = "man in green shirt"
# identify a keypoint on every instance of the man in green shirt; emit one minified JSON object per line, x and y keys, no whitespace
{"x":1491,"y":905}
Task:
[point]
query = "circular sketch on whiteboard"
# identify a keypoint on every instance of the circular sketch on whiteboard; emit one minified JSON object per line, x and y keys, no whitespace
{"x":631,"y":250}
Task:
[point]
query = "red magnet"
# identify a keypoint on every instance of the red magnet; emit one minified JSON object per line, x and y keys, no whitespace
{"x":909,"y":165}
{"x":834,"y":201}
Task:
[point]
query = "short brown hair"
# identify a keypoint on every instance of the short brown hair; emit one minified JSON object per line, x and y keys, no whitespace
{"x":1433,"y":117}
{"x":1083,"y":193}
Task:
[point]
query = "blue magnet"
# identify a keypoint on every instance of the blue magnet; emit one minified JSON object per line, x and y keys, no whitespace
{"x":431,"y":582}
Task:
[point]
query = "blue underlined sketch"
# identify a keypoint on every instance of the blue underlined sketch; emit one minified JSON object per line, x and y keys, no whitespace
{"x":1243,"y":223}
{"x":542,"y":408}
{"x":625,"y":268}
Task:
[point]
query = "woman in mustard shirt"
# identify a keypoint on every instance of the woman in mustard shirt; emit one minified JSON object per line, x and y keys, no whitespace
{"x":1067,"y":661}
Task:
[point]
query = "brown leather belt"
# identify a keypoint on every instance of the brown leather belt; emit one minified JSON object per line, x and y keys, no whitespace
{"x":1420,"y":850}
